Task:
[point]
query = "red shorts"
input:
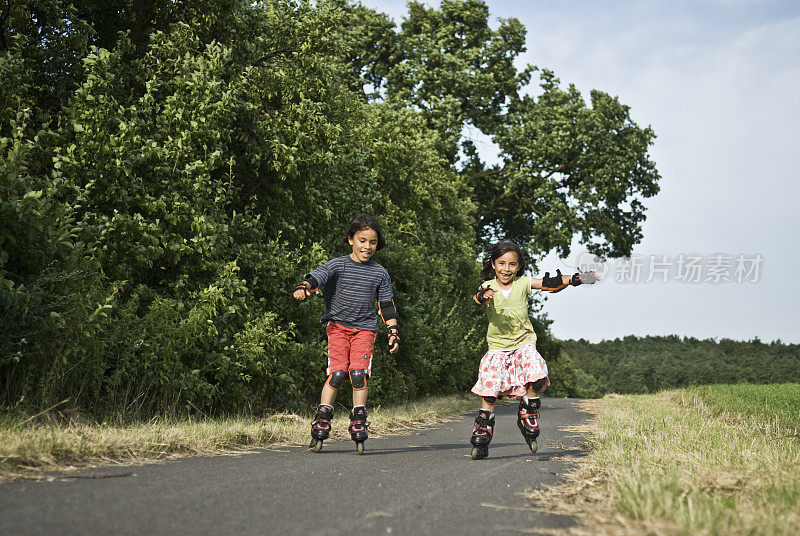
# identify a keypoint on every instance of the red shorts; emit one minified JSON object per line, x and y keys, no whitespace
{"x":349,"y":348}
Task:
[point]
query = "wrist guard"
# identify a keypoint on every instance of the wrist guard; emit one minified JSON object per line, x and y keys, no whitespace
{"x":480,"y":299}
{"x":394,"y":337}
{"x":553,"y":284}
{"x":311,"y":287}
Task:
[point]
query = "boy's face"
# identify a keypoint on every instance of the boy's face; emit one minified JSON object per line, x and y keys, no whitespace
{"x":364,"y":243}
{"x":506,"y":267}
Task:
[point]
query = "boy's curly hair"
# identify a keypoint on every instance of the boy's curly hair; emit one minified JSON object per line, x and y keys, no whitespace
{"x":497,"y":251}
{"x":363,"y":222}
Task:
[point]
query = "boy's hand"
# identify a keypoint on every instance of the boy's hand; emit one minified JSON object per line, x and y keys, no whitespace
{"x":394,"y":339}
{"x":301,"y":291}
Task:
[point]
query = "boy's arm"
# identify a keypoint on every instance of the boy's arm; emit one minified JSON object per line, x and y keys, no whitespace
{"x":388,"y":313}
{"x":306,"y":288}
{"x":318,"y":277}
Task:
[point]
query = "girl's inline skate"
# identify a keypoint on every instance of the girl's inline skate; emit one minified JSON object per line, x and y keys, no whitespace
{"x":482,"y":435}
{"x":528,"y":421}
{"x":320,"y":427}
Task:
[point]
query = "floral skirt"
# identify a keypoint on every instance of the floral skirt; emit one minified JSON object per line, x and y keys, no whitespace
{"x":507,"y":372}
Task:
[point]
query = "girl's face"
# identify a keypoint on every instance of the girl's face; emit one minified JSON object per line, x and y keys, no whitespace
{"x":506,"y":267}
{"x":364,"y":243}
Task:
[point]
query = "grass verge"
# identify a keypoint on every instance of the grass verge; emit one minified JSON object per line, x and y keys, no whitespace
{"x":27,"y":450}
{"x":714,"y":460}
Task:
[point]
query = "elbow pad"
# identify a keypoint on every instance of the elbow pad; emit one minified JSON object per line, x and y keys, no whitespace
{"x":553,"y":284}
{"x":387,"y":310}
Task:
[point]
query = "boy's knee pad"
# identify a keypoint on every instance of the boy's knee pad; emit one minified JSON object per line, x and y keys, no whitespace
{"x":358,"y":378}
{"x":336,"y":379}
{"x":489,"y":399}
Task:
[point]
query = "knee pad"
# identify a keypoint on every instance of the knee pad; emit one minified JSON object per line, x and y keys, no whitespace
{"x":358,"y":378}
{"x":489,"y":399}
{"x":539,"y":384}
{"x":336,"y":379}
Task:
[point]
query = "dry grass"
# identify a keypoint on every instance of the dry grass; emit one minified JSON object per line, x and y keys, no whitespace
{"x":27,"y":450}
{"x":668,"y":464}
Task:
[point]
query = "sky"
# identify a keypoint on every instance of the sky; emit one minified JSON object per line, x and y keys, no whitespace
{"x":719,"y":83}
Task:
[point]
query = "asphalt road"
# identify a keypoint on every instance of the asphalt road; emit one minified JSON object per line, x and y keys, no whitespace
{"x":424,"y":483}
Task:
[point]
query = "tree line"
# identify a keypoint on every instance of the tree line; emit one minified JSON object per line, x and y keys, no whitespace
{"x":650,"y":364}
{"x":170,"y":170}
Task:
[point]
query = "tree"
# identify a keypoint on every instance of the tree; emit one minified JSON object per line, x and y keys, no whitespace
{"x":567,"y":169}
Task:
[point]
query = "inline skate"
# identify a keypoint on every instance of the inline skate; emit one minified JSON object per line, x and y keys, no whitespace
{"x":482,"y":435}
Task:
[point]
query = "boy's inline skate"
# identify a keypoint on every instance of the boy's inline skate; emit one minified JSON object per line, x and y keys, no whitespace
{"x":528,"y":421}
{"x":359,"y":427}
{"x":320,"y":427}
{"x":482,"y":435}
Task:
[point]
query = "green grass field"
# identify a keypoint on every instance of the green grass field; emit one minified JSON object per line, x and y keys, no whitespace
{"x":712,"y":460}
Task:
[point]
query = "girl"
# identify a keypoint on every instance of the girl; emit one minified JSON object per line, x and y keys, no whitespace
{"x":512,"y":366}
{"x":351,"y":284}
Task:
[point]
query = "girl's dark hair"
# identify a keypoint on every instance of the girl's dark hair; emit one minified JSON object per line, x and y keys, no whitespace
{"x":498,"y":250}
{"x":362,"y":222}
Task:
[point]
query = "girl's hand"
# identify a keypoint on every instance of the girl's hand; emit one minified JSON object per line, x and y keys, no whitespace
{"x":584,"y":278}
{"x":483,"y":295}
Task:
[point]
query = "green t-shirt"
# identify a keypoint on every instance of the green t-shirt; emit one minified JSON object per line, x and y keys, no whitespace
{"x":509,"y":324}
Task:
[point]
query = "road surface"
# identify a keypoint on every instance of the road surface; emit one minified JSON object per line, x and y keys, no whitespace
{"x":424,"y":483}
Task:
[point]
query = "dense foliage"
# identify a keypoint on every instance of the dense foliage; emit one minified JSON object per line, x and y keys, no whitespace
{"x":650,"y":364}
{"x":170,"y":169}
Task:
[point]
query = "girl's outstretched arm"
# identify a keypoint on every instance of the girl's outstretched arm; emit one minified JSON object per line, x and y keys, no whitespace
{"x":559,"y":282}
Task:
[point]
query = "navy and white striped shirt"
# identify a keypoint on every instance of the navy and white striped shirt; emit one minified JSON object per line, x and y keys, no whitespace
{"x":351,"y":289}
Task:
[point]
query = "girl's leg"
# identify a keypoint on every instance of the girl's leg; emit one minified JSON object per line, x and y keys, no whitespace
{"x":528,"y":412}
{"x":484,"y":428}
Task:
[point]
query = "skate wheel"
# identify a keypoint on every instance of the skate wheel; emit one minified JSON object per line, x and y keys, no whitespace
{"x":534,"y":446}
{"x":316,"y":445}
{"x":478,"y":453}
{"x":360,"y":447}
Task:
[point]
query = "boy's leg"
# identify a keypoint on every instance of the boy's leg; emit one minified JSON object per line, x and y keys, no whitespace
{"x":338,"y":353}
{"x":362,"y":346}
{"x":331,"y":387}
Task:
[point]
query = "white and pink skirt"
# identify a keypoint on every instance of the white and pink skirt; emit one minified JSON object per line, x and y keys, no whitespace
{"x":507,"y":372}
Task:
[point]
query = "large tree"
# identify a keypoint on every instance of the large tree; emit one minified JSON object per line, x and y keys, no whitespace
{"x":567,"y":169}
